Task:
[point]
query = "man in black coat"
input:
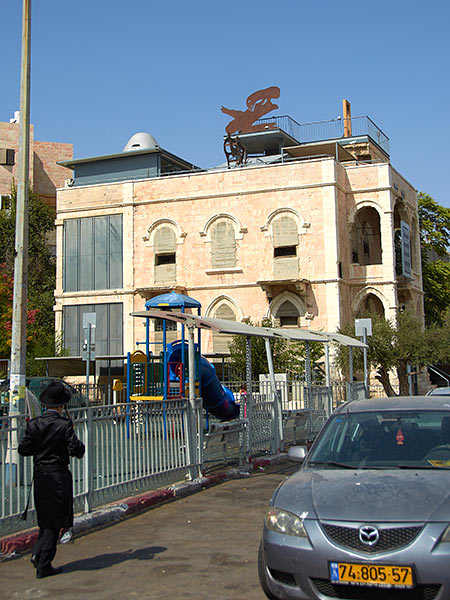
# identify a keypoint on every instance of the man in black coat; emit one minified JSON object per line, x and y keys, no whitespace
{"x":50,"y":439}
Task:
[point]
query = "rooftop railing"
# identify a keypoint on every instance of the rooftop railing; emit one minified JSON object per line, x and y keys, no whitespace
{"x":332,"y":129}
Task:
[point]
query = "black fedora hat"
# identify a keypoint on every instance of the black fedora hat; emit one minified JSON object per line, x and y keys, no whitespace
{"x":56,"y":394}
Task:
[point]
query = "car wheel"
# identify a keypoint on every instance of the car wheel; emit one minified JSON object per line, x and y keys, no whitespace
{"x":262,"y":574}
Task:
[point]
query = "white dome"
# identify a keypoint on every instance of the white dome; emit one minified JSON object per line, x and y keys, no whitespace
{"x":141,"y":141}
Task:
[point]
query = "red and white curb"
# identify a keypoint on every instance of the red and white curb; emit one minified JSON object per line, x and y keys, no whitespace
{"x":15,"y":544}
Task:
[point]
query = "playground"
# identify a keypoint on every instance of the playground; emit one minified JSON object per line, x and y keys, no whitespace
{"x":175,"y":420}
{"x":177,"y":368}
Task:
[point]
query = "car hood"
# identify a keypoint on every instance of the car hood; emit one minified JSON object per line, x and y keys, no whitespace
{"x":367,"y":495}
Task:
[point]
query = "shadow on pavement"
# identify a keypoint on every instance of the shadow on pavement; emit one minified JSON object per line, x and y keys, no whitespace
{"x":107,"y":560}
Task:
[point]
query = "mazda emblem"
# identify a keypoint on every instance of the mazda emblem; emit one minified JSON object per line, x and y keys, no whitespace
{"x":369,"y":535}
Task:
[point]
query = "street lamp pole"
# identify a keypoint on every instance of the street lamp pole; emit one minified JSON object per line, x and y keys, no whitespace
{"x":19,"y":316}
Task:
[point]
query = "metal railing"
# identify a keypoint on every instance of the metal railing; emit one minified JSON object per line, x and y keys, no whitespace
{"x":129,"y":448}
{"x":332,"y":129}
{"x":136,"y":446}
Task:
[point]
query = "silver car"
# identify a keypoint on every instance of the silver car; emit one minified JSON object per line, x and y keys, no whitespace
{"x":367,"y":516}
{"x":439,"y":391}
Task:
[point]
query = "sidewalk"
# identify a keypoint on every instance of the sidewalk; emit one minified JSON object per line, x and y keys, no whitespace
{"x":202,"y":547}
{"x":21,"y":542}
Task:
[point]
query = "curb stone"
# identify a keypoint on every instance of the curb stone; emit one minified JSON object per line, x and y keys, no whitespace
{"x":13,"y":545}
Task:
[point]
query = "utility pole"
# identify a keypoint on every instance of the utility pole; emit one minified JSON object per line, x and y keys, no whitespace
{"x":19,"y":316}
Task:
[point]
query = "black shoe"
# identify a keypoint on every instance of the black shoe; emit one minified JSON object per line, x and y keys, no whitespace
{"x":34,"y":560}
{"x":47,"y":572}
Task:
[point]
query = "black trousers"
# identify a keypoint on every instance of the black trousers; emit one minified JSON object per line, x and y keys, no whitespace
{"x":45,"y":547}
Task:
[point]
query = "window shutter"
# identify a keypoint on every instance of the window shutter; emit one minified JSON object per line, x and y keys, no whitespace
{"x":223,"y":246}
{"x":165,"y":243}
{"x":165,"y":240}
{"x":285,"y":232}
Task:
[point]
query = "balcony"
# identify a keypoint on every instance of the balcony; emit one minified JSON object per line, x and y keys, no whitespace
{"x":332,"y":129}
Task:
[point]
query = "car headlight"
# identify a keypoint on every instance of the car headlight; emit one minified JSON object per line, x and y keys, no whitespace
{"x":446,"y":536}
{"x":284,"y":522}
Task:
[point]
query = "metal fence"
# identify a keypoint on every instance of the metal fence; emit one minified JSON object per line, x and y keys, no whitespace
{"x":132,"y":447}
{"x":333,"y":129}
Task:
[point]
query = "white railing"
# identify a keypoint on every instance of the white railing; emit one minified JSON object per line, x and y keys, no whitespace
{"x":143,"y":445}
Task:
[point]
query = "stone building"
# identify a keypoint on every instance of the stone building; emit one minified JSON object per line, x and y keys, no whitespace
{"x":45,"y":174}
{"x":314,"y":229}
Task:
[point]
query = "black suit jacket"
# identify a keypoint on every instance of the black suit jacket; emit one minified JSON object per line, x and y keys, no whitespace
{"x":50,"y":439}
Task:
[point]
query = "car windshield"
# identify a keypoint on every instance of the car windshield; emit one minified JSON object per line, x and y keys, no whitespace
{"x":384,"y":439}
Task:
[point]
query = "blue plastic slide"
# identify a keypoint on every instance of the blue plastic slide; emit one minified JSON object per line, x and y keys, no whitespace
{"x":218,"y":399}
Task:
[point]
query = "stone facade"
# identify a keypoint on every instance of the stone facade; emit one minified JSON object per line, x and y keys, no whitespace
{"x":45,"y":174}
{"x":340,"y":260}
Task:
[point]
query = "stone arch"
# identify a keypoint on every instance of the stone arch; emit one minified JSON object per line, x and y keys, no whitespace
{"x":360,"y":205}
{"x":171,"y":224}
{"x":226,"y":308}
{"x":224,"y":299}
{"x":367,"y":299}
{"x":286,"y":309}
{"x":239,"y":230}
{"x":267,"y":228}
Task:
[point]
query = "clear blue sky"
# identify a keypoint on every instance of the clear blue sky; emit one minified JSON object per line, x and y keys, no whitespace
{"x":104,"y":70}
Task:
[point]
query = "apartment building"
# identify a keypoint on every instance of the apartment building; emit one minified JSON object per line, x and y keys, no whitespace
{"x":312,"y":227}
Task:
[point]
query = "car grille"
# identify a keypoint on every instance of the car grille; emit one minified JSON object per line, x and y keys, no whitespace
{"x":351,"y":592}
{"x":283,"y":577}
{"x":391,"y":538}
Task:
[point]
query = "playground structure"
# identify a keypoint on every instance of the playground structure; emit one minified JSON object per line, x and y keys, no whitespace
{"x":215,"y":398}
{"x":166,"y":375}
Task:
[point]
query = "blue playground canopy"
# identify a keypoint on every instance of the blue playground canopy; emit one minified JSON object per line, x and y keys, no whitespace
{"x":173,"y":300}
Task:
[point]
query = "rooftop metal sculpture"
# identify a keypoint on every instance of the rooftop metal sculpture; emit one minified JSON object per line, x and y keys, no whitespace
{"x":258,"y":104}
{"x":234,"y":151}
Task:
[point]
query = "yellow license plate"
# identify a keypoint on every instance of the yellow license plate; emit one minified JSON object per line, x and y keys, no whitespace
{"x":376,"y":575}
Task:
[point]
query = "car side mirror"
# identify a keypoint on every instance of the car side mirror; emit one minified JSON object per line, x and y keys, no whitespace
{"x":297,"y":453}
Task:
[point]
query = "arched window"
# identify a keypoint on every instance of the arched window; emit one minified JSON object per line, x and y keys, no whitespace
{"x":371,"y":304}
{"x":223,"y":245}
{"x":366,"y":237}
{"x":285,"y":243}
{"x":165,"y":245}
{"x":221,"y":340}
{"x":287,"y":315}
{"x":287,"y":309}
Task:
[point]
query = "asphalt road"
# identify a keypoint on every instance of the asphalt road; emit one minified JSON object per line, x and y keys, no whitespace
{"x":202,"y":547}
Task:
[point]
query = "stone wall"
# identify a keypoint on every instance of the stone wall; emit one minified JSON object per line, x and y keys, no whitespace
{"x":322,"y":197}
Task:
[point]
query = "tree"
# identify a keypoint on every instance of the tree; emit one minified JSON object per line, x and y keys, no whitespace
{"x":41,"y":281}
{"x":34,"y":339}
{"x":288,"y":357}
{"x":434,"y":223}
{"x":395,"y":344}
